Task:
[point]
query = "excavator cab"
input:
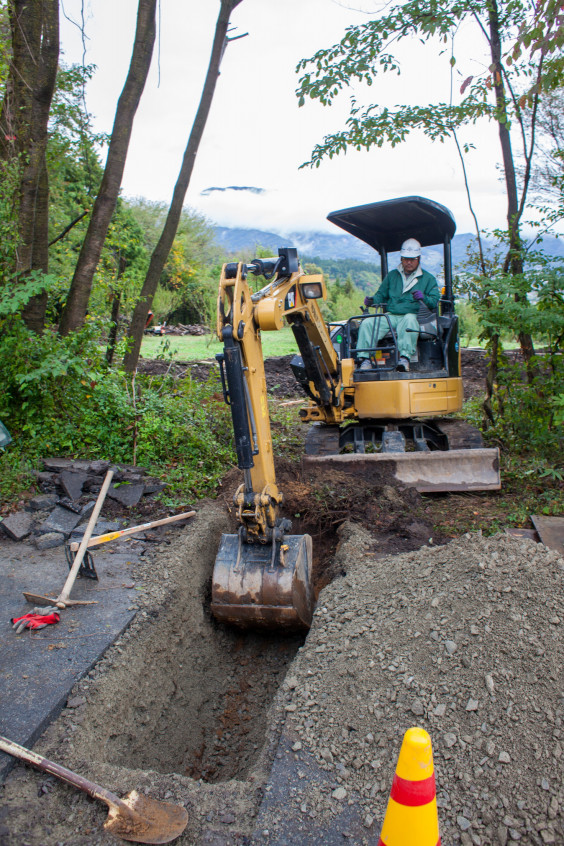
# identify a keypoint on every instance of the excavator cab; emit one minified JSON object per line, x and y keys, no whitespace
{"x":385,"y":226}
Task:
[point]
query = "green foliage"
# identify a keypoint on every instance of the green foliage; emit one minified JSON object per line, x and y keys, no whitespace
{"x":528,"y":421}
{"x":364,"y":275}
{"x":367,"y":50}
{"x":16,"y":474}
{"x":59,"y":397}
{"x":9,"y":186}
{"x":188,"y":288}
{"x":468,"y":321}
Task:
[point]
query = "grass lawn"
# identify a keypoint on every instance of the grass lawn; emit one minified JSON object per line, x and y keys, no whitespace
{"x":202,"y":347}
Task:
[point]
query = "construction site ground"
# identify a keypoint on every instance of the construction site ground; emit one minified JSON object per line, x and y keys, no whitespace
{"x":292,"y":740}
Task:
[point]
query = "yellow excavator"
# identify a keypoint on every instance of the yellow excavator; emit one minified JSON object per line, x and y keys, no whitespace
{"x":362,"y":418}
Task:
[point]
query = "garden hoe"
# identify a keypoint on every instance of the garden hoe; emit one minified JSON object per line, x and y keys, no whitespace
{"x":136,"y":817}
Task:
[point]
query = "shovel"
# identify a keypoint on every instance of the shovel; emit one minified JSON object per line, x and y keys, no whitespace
{"x":136,"y":817}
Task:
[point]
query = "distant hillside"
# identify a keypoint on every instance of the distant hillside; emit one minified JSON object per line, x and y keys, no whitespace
{"x":328,"y":245}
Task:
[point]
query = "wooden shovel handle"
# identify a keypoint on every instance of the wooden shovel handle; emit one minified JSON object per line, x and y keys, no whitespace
{"x":67,"y":587}
{"x":110,"y":536}
{"x":91,"y":788}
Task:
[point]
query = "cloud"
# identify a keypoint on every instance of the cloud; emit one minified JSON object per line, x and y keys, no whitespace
{"x":207,"y":192}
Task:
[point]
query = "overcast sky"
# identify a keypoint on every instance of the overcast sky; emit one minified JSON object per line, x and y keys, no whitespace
{"x":256,"y":135}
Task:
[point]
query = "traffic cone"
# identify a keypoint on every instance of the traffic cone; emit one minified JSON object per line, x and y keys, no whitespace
{"x":411,"y":816}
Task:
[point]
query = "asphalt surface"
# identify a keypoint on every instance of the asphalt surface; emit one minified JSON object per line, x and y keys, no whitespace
{"x":39,"y":668}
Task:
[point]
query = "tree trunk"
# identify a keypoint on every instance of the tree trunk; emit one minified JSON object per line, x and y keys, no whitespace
{"x":114,"y":322}
{"x":514,"y":259}
{"x":105,"y":203}
{"x":163,"y":247}
{"x":34,"y":311}
{"x":23,"y":132}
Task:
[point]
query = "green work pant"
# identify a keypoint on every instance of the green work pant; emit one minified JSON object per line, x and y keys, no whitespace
{"x":373,"y":328}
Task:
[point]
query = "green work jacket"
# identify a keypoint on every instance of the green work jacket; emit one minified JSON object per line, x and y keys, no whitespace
{"x":391,"y":292}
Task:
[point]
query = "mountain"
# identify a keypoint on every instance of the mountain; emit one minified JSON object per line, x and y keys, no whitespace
{"x":328,"y":245}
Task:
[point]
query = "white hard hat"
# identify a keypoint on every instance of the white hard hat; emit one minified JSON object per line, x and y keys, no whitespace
{"x":410,"y":248}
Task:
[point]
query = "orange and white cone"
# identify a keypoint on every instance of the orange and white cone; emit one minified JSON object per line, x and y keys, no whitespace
{"x":411,"y":816}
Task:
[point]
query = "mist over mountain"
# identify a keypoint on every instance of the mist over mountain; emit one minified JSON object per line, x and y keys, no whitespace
{"x":328,"y":245}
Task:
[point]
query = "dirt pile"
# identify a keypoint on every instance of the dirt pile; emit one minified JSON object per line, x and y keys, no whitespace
{"x":465,"y":640}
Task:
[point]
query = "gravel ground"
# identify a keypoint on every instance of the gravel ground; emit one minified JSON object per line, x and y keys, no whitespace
{"x":464,"y":639}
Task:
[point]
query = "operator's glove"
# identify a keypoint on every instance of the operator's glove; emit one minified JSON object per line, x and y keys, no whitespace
{"x":36,"y":619}
{"x":368,"y":301}
{"x":417,"y":295}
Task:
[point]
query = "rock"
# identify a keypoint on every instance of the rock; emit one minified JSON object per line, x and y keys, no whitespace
{"x":504,"y":758}
{"x":18,"y":526}
{"x":42,"y":502}
{"x":127,"y":495}
{"x":72,"y":482}
{"x":157,"y":487}
{"x":450,"y":646}
{"x":60,"y":520}
{"x":548,"y":836}
{"x":99,"y":467}
{"x":417,"y":708}
{"x":50,"y":540}
{"x":463,"y":823}
{"x":55,"y":465}
{"x":339,"y":793}
{"x":472,"y":705}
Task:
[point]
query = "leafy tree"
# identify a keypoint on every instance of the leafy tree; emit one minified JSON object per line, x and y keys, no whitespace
{"x":187,"y":289}
{"x":105,"y":203}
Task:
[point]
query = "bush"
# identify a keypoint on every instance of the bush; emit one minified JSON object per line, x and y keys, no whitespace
{"x":61,"y":398}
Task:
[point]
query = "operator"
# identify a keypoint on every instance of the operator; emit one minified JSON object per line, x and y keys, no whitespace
{"x":402,"y":291}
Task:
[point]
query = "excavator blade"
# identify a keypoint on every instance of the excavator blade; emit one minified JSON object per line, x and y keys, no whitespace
{"x":251,"y":590}
{"x":428,"y":472}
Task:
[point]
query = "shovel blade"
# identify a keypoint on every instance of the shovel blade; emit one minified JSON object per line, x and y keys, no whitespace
{"x":251,"y":591}
{"x":140,"y":819}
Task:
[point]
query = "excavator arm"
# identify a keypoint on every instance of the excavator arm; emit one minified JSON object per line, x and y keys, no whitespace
{"x":263,"y":574}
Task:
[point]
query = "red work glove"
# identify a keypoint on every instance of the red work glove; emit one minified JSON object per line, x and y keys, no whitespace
{"x":37,"y":619}
{"x":417,"y":295}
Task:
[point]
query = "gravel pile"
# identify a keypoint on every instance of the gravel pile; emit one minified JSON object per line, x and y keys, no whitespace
{"x":464,"y":640}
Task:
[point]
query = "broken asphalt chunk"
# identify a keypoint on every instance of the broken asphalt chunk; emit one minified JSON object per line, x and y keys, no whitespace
{"x":127,"y":495}
{"x":72,"y":482}
{"x":60,"y":520}
{"x":18,"y":526}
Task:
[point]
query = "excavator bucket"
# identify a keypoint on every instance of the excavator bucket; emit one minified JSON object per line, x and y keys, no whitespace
{"x":254,"y":586}
{"x":428,"y":472}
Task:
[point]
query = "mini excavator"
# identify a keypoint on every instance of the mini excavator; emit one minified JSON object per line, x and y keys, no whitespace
{"x":361,"y":418}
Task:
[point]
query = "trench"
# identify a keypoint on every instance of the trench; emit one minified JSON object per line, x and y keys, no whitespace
{"x":187,"y":695}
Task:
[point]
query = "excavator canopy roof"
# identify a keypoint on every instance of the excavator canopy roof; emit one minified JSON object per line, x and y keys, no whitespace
{"x":386,"y":225}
